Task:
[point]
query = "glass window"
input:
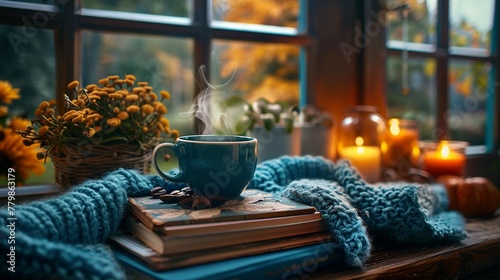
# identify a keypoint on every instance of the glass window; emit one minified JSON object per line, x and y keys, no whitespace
{"x":48,"y":2}
{"x":471,"y":23}
{"x":166,"y":63}
{"x":166,"y":60}
{"x":244,"y":14}
{"x":464,"y":58}
{"x":467,"y":102}
{"x":255,"y":70}
{"x":28,"y":63}
{"x":421,"y":21}
{"x":177,"y":8}
{"x":419,"y":101}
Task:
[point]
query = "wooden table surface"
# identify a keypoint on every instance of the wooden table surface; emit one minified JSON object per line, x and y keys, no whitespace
{"x":477,"y":257}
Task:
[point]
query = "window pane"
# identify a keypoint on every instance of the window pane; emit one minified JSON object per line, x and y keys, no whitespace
{"x":419,"y":102}
{"x":468,"y":97}
{"x":166,"y":63}
{"x":48,"y":2}
{"x":255,"y":70}
{"x":269,"y":13}
{"x":421,"y":23}
{"x":28,"y":63}
{"x":471,"y":23}
{"x":177,"y":8}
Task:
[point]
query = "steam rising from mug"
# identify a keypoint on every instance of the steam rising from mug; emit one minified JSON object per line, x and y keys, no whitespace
{"x":207,"y":106}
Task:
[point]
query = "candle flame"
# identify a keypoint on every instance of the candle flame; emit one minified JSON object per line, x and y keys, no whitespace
{"x":360,"y":150}
{"x":394,"y":127}
{"x":445,"y":150}
{"x":359,"y":141}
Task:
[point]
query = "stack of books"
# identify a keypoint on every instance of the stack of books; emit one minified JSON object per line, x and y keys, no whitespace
{"x":166,"y":236}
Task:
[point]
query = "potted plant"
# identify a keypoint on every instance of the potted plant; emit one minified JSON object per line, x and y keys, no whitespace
{"x":314,"y":130}
{"x":115,"y":123}
{"x":281,"y":129}
{"x":273,"y":125}
{"x":17,"y":161}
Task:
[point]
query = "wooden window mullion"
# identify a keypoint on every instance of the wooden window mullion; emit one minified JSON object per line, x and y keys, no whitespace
{"x":442,"y":130}
{"x":202,"y":45}
{"x":67,"y":48}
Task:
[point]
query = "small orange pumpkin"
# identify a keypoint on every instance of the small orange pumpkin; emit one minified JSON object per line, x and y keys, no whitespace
{"x":473,"y":197}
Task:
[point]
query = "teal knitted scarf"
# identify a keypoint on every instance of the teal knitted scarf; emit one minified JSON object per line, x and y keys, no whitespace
{"x":64,"y":237}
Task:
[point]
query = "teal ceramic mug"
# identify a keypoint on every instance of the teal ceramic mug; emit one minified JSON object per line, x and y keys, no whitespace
{"x":212,"y":165}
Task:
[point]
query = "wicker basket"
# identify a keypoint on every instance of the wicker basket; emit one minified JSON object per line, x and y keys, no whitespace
{"x":78,"y":163}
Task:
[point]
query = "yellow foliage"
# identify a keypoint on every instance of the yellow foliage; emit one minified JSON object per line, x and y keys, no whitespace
{"x":463,"y":87}
{"x":262,"y":70}
{"x":99,"y":115}
{"x":430,"y":67}
{"x":7,"y":93}
{"x":22,"y":158}
{"x":275,"y":89}
{"x":269,"y":12}
{"x":13,"y":152}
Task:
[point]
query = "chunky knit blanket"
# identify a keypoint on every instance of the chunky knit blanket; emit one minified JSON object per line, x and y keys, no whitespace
{"x":64,"y":237}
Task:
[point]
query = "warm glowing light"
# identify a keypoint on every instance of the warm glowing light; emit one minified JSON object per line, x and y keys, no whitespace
{"x":445,"y":151}
{"x":359,"y":141}
{"x":366,"y":159}
{"x":444,"y":160}
{"x":415,"y":152}
{"x":394,"y":127}
{"x":383,"y":147}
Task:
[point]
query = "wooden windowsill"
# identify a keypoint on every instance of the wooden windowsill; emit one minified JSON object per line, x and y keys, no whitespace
{"x":29,"y":193}
{"x":477,"y":257}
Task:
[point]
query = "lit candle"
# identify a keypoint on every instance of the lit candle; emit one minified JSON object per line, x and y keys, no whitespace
{"x":402,"y":143}
{"x":444,"y":161}
{"x":366,"y":159}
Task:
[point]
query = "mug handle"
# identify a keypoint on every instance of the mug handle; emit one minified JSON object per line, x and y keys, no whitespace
{"x":176,"y":178}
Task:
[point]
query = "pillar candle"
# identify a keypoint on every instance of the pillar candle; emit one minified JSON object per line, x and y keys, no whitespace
{"x":366,"y":159}
{"x":444,"y":161}
{"x":402,"y":144}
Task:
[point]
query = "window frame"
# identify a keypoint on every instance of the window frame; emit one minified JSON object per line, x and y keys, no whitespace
{"x":442,"y":55}
{"x":67,"y":20}
{"x":332,"y":82}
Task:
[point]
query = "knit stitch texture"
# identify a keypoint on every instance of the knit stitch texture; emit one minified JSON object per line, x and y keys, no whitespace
{"x":406,"y":213}
{"x":64,"y":237}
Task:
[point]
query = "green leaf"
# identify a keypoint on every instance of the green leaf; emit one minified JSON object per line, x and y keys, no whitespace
{"x":234,"y":114}
{"x":268,"y":121}
{"x":234,"y":101}
{"x":243,"y":124}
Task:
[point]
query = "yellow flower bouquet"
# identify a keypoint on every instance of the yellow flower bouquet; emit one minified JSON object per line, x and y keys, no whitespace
{"x":14,"y":156}
{"x":115,"y":123}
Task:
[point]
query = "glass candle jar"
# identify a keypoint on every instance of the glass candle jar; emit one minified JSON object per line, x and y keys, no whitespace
{"x":402,"y":151}
{"x":361,"y":135}
{"x":444,"y":158}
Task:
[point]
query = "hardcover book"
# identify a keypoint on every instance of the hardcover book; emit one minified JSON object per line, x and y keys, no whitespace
{"x":177,"y":244}
{"x":217,"y":227}
{"x":128,"y":244}
{"x":252,"y":204}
